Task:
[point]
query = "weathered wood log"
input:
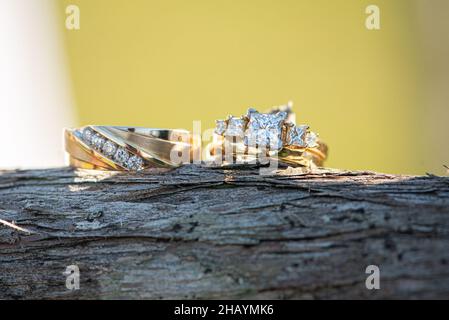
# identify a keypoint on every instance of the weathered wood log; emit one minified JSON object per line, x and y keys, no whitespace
{"x":198,"y":232}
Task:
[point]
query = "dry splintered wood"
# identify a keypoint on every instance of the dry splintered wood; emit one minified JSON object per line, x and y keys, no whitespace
{"x":198,"y":232}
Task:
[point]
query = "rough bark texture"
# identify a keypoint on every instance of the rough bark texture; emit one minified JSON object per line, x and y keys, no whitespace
{"x":198,"y":232}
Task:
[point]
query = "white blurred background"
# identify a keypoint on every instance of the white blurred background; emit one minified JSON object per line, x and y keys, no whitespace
{"x":35,"y":97}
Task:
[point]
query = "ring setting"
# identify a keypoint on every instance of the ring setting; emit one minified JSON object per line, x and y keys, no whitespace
{"x":255,"y":136}
{"x":126,"y":148}
{"x":105,"y":147}
{"x":258,"y":135}
{"x":267,"y":130}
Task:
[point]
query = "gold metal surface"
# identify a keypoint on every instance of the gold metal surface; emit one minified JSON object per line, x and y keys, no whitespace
{"x":160,"y":148}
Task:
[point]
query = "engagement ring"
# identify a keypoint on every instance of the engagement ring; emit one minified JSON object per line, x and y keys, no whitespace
{"x":272,"y":134}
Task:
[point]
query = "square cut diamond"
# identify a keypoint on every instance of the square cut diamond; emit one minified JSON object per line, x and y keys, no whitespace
{"x":220,"y":127}
{"x":312,"y":140}
{"x":297,"y":135}
{"x":236,"y":127}
{"x":265,"y":130}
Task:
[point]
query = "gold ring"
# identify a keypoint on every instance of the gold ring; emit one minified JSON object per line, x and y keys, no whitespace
{"x":271,"y":135}
{"x":127,"y":148}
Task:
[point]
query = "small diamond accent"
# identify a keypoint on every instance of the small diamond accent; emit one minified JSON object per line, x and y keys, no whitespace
{"x":312,"y":140}
{"x":236,"y":127}
{"x":296,"y":136}
{"x":220,"y":127}
{"x":98,"y":141}
{"x":121,"y":156}
{"x":134,"y":163}
{"x":87,"y":135}
{"x":109,"y":148}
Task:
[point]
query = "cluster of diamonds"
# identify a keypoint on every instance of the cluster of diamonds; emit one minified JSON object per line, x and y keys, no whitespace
{"x":111,"y":150}
{"x":267,"y":130}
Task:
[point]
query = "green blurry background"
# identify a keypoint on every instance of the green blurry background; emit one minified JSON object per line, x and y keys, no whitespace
{"x":166,"y":63}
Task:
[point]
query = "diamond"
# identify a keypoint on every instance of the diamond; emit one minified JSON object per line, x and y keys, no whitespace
{"x":98,"y":141}
{"x":87,"y":135}
{"x":296,"y":135}
{"x":312,"y":140}
{"x":134,"y":163}
{"x":109,"y":148}
{"x":236,"y":127}
{"x":265,"y":130}
{"x":220,"y":127}
{"x":121,"y":156}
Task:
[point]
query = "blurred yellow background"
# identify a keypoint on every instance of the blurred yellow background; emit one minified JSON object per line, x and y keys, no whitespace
{"x":166,"y":63}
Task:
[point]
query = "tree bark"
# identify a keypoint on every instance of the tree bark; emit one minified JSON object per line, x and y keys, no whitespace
{"x":198,"y":232}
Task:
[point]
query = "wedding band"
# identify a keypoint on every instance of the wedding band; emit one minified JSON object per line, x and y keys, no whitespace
{"x":127,"y":148}
{"x":272,"y":134}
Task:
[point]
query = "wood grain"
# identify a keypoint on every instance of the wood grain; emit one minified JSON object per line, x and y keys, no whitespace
{"x":198,"y":232}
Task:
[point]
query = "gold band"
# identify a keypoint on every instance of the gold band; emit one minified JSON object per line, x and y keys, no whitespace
{"x":254,"y":136}
{"x":272,"y":135}
{"x":76,"y":163}
{"x":306,"y":157}
{"x":127,"y":148}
